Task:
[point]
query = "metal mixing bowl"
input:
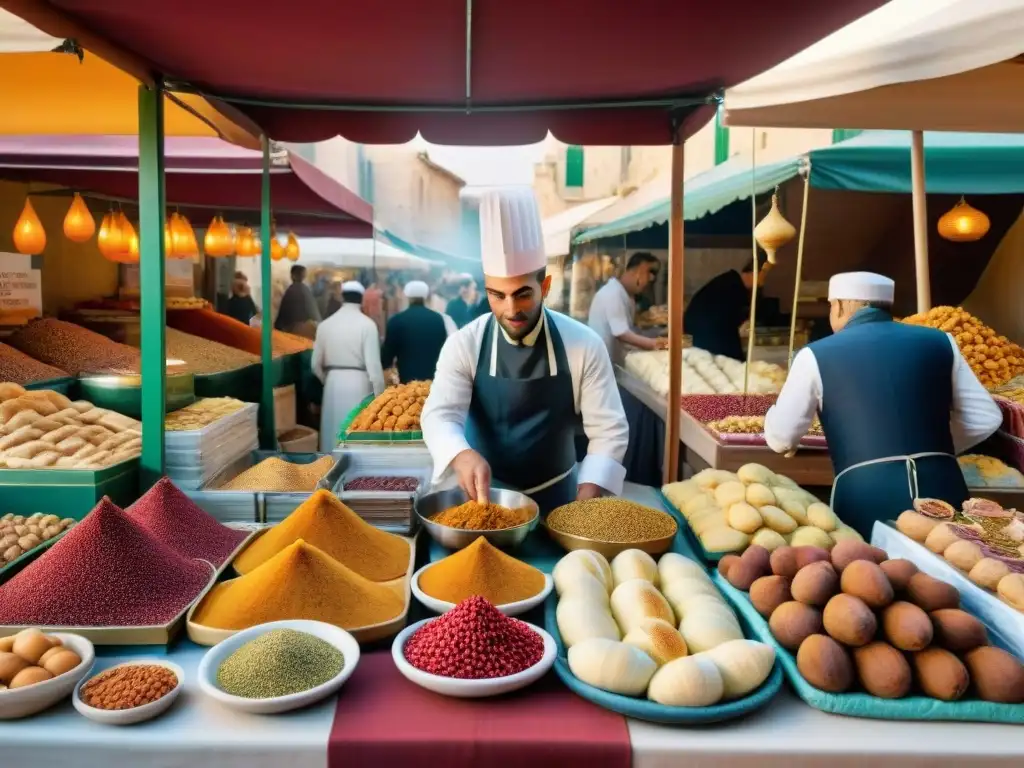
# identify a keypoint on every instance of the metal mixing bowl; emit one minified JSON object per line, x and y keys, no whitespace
{"x":456,"y":538}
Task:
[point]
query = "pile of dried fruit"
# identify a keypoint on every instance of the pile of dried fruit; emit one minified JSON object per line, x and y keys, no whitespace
{"x":983,"y":540}
{"x":474,"y":641}
{"x":21,"y":369}
{"x":276,"y":475}
{"x":202,"y":356}
{"x":74,"y":349}
{"x":42,"y":428}
{"x":202,"y":413}
{"x":31,"y":657}
{"x":750,"y":425}
{"x":994,"y":358}
{"x":397,"y":409}
{"x":857,"y":619}
{"x":729,"y":511}
{"x":20,"y":534}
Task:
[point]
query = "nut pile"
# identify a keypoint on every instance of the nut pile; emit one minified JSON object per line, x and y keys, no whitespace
{"x":276,"y":475}
{"x":857,"y":619}
{"x":474,"y":641}
{"x":202,"y":413}
{"x":20,"y":534}
{"x":389,"y":484}
{"x":202,"y":356}
{"x":42,"y":428}
{"x":74,"y":349}
{"x":130,"y":686}
{"x":611,"y":520}
{"x":21,"y":369}
{"x":750,"y":425}
{"x":31,"y":657}
{"x":279,"y":663}
{"x":397,"y":409}
{"x":994,"y":358}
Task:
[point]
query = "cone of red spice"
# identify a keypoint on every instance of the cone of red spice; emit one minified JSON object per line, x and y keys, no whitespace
{"x":105,"y":572}
{"x":172,"y":518}
{"x":474,"y":641}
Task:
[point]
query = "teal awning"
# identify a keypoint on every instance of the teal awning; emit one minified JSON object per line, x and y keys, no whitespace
{"x":874,"y":161}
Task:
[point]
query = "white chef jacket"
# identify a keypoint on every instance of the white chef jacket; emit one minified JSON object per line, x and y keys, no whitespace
{"x":611,"y":315}
{"x":595,"y":394}
{"x":974,"y":417}
{"x":348,"y":339}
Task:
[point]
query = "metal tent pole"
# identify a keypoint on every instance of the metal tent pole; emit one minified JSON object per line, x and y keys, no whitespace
{"x":268,"y":432}
{"x":676,"y":254}
{"x":920,"y":200}
{"x":152,"y":279}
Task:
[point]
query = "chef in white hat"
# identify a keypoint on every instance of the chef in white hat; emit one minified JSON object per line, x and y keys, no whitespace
{"x":512,"y":386}
{"x":897,"y":402}
{"x":346,"y":358}
{"x":415,"y":336}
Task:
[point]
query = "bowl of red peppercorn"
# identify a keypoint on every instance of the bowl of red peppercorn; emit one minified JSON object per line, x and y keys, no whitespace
{"x":473,"y":651}
{"x":129,"y":693}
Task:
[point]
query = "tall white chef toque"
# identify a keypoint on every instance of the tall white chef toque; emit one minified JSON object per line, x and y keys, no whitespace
{"x":416,"y":289}
{"x":861,"y":286}
{"x":352,"y":286}
{"x":511,"y":236}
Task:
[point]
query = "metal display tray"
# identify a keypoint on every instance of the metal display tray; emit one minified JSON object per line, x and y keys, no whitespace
{"x":179,"y":440}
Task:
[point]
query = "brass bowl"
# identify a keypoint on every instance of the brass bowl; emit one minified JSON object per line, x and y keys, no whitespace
{"x":610,"y":549}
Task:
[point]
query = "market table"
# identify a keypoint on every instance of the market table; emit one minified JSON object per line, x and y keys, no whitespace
{"x":199,"y":733}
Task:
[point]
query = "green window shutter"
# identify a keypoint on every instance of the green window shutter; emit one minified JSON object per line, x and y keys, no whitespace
{"x":574,"y":166}
{"x":842,"y":134}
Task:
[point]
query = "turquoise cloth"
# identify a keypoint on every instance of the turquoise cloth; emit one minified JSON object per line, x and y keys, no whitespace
{"x":863,"y":704}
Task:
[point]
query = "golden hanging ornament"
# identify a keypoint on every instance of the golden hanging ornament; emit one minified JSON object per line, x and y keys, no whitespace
{"x":128,"y":247}
{"x":243,"y":241}
{"x":218,"y":240}
{"x":963,"y":223}
{"x":773,"y":231}
{"x":29,"y":235}
{"x":276,"y":249}
{"x":291,"y":250}
{"x":79,"y":225}
{"x":109,"y":238}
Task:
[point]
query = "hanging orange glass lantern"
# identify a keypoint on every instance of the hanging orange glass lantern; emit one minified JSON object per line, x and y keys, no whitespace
{"x":109,"y":238}
{"x":276,"y":249}
{"x":133,"y":247}
{"x":291,"y":251}
{"x":257,"y":245}
{"x":179,"y":236}
{"x":218,"y":240}
{"x":963,"y":223}
{"x":128,"y":236}
{"x":79,"y":225}
{"x":29,"y":235}
{"x":243,"y":241}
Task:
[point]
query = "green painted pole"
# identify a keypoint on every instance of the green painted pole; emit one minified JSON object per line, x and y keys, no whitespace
{"x":152,"y":277}
{"x":721,"y":139}
{"x":268,"y":433}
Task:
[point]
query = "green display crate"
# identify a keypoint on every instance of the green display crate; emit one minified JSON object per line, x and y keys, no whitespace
{"x":67,"y":386}
{"x":67,"y":492}
{"x":344,"y":436}
{"x":123,"y":394}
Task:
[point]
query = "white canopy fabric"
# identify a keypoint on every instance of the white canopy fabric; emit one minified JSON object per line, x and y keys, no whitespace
{"x":357,"y":253}
{"x":944,"y":65}
{"x":18,"y":36}
{"x":558,"y":228}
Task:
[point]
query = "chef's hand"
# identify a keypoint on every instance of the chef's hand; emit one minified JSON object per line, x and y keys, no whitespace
{"x":586,"y":491}
{"x":474,"y":474}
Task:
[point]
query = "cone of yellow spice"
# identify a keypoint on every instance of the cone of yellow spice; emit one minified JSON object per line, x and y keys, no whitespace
{"x":481,"y":569}
{"x":299,"y":582}
{"x":330,"y":526}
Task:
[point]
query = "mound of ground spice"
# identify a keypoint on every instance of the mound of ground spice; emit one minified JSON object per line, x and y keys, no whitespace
{"x":481,"y":570}
{"x":474,"y":516}
{"x":323,"y":521}
{"x":278,"y":663}
{"x":299,"y":582}
{"x":172,"y":518}
{"x":226,"y":330}
{"x":474,"y":641}
{"x":73,"y":348}
{"x":276,"y":475}
{"x":21,"y":369}
{"x":105,"y":571}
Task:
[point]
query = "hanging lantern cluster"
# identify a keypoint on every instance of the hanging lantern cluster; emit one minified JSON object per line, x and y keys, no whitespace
{"x":276,"y":249}
{"x":247,"y":242}
{"x":179,"y":238}
{"x":29,"y":235}
{"x":219,"y":240}
{"x":963,"y":223}
{"x":773,"y":231}
{"x":117,"y":239}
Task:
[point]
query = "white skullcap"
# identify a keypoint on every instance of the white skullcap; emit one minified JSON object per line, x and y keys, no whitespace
{"x":511,"y":237}
{"x":352,"y":286}
{"x":416,"y":289}
{"x":465,"y":276}
{"x":861,"y":286}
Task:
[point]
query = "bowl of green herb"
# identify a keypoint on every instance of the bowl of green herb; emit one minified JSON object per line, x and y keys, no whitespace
{"x":279,"y":666}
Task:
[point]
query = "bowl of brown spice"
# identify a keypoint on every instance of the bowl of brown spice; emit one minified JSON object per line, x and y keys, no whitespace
{"x":129,"y":693}
{"x":455,"y":522}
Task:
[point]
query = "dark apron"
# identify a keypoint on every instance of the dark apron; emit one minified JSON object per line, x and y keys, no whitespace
{"x":526,"y":427}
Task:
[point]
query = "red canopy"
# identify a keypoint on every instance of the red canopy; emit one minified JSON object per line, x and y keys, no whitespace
{"x":204,"y":175}
{"x":458,"y":71}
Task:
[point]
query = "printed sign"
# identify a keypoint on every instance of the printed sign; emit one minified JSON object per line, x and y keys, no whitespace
{"x":21,"y":289}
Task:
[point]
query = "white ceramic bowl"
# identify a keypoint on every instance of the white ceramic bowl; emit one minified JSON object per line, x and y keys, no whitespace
{"x":135,"y":714}
{"x":509,"y":609}
{"x":214,"y":657}
{"x":471,"y":689}
{"x":22,"y":702}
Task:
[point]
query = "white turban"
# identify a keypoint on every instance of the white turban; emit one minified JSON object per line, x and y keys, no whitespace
{"x":416,"y":289}
{"x":352,"y":286}
{"x":861,"y":286}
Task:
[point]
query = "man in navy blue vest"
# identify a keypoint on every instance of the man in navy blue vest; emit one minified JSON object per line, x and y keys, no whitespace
{"x":897,"y":403}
